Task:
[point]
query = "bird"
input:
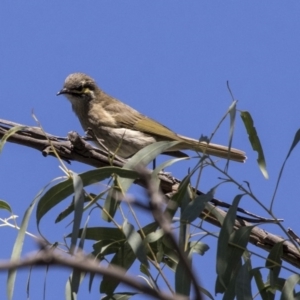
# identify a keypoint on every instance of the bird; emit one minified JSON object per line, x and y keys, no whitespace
{"x":122,"y":129}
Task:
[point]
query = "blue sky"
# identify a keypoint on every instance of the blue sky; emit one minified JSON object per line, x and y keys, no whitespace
{"x":168,"y":59}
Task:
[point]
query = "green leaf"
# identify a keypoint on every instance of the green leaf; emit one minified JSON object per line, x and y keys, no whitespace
{"x":230,"y":292}
{"x":78,"y":207}
{"x":136,"y":243}
{"x":206,"y":293}
{"x":172,"y":258}
{"x":106,"y":247}
{"x":181,"y":194}
{"x":263,"y":288}
{"x":183,"y":188}
{"x":4,"y":205}
{"x":154,"y":236}
{"x":198,"y":247}
{"x":107,"y":233}
{"x":234,"y":249}
{"x":70,"y":208}
{"x":224,"y":265}
{"x":18,"y":245}
{"x":195,"y":207}
{"x":9,"y":133}
{"x":73,"y":283}
{"x":119,"y":296}
{"x":77,"y":276}
{"x":294,"y":144}
{"x":103,"y":233}
{"x":219,"y":287}
{"x":147,"y":154}
{"x":162,"y":166}
{"x":243,"y":283}
{"x":289,"y":287}
{"x":64,"y":189}
{"x":124,"y":258}
{"x":143,"y":158}
{"x":232,"y":114}
{"x":182,"y":279}
{"x":274,"y":262}
{"x":111,"y":203}
{"x":255,"y":142}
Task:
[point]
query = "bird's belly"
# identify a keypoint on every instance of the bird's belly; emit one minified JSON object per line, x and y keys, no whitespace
{"x":123,"y":142}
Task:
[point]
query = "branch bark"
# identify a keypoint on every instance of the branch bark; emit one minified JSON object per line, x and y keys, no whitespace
{"x":75,"y":148}
{"x":84,"y":264}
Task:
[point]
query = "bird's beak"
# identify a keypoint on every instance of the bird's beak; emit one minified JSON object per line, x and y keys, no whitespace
{"x":62,"y":91}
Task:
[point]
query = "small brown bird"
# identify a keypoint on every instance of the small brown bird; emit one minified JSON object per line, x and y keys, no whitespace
{"x":122,"y":129}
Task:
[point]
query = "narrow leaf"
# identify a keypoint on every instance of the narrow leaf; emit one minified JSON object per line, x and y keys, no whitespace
{"x":4,"y":205}
{"x":243,"y":283}
{"x":294,"y":144}
{"x":18,"y":246}
{"x":102,"y":233}
{"x":164,"y":165}
{"x":255,"y":142}
{"x":195,"y":207}
{"x":198,"y":247}
{"x":232,"y":114}
{"x":136,"y":243}
{"x":119,"y":296}
{"x":64,"y":189}
{"x":289,"y":287}
{"x":111,"y":203}
{"x":274,"y":262}
{"x":124,"y":258}
{"x":9,"y":133}
{"x":154,"y":236}
{"x":224,"y":265}
{"x":143,"y":158}
{"x":182,"y":279}
{"x":78,"y":206}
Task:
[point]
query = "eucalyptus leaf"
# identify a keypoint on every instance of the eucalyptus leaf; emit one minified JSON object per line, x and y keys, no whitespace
{"x":142,"y":158}
{"x":195,"y":207}
{"x":78,"y":208}
{"x":255,"y":142}
{"x":62,"y":190}
{"x":289,"y":287}
{"x":224,"y":265}
{"x":4,"y":205}
{"x":9,"y":133}
{"x":136,"y":243}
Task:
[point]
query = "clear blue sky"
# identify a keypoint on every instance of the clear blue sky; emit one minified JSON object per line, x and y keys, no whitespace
{"x":168,"y":59}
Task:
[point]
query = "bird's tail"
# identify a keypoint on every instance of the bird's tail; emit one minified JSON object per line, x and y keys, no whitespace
{"x":214,"y":149}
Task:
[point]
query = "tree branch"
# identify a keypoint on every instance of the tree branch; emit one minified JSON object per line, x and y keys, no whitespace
{"x":83,"y":263}
{"x":74,"y":148}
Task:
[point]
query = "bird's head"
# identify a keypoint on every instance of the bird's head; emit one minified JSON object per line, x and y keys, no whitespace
{"x":79,"y":87}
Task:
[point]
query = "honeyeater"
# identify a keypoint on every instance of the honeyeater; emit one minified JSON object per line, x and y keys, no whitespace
{"x":122,"y":129}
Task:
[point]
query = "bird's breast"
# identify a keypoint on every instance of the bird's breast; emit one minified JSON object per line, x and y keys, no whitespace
{"x":124,"y":142}
{"x":99,"y":116}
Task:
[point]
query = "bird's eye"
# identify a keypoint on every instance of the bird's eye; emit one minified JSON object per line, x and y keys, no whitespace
{"x":79,"y":88}
{"x":90,"y":87}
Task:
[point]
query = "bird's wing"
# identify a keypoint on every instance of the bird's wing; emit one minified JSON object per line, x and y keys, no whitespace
{"x":150,"y":126}
{"x":127,"y":117}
